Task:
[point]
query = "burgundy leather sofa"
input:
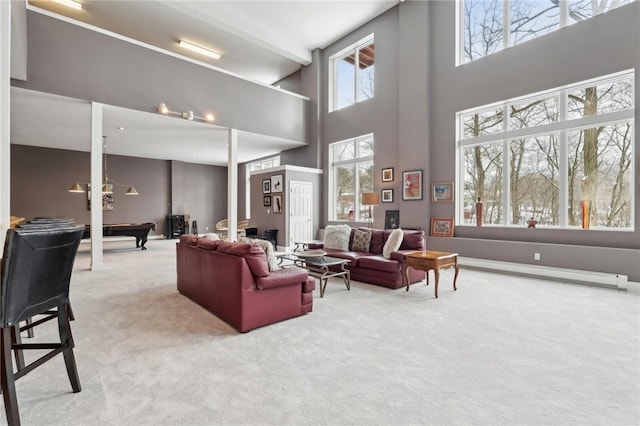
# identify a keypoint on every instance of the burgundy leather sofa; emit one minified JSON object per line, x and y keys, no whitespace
{"x":233,"y":282}
{"x":371,"y":267}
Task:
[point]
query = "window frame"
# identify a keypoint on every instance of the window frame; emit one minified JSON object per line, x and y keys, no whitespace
{"x":565,"y":20}
{"x":355,"y":161}
{"x":561,"y":128}
{"x":334,"y":60}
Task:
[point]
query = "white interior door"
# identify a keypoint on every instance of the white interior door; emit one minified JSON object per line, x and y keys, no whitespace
{"x":300,"y":209}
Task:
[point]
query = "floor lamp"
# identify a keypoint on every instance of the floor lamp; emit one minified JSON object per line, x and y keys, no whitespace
{"x":370,"y":199}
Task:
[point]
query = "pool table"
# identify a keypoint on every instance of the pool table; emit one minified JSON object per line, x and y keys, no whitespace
{"x":138,"y":230}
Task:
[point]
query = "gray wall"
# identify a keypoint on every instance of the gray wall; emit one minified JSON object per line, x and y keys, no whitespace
{"x":263,"y":217}
{"x":41,"y":177}
{"x":72,"y":61}
{"x":419,"y":90}
{"x":598,"y":46}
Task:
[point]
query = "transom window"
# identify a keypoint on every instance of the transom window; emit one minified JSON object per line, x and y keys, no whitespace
{"x":352,"y":74}
{"x":538,"y":157}
{"x":351,"y":175}
{"x":488,"y":26}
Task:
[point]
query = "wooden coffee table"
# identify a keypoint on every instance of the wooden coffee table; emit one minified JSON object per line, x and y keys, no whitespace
{"x":429,"y":259}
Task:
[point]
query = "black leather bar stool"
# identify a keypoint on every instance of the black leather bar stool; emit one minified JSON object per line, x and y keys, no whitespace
{"x":35,"y":275}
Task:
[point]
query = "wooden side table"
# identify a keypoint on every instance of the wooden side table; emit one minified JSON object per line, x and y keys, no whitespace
{"x":429,"y":259}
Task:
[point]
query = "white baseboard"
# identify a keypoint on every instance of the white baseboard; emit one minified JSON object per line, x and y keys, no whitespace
{"x":600,"y":279}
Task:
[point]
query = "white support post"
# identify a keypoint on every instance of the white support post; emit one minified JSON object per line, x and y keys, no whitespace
{"x":5,"y":118}
{"x":232,"y":185}
{"x":97,"y":258}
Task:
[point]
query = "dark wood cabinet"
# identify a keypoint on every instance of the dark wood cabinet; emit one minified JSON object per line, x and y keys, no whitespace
{"x":176,"y":226}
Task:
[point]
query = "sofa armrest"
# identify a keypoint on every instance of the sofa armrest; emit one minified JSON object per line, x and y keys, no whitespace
{"x":400,"y":254}
{"x":282,"y":277}
{"x":315,"y":246}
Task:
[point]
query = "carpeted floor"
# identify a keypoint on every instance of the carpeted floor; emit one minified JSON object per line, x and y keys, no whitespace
{"x":502,"y":350}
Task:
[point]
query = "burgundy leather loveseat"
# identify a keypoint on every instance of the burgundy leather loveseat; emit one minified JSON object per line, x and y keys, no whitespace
{"x":233,"y":282}
{"x":372,"y":267}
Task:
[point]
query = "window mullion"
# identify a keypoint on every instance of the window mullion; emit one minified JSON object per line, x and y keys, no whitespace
{"x":563,"y":167}
{"x":506,"y":24}
{"x":506,"y":170}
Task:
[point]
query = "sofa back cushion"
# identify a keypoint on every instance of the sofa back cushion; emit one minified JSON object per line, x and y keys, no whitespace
{"x":189,"y":239}
{"x":268,"y":250}
{"x":208,"y":244}
{"x":253,"y":254}
{"x":378,"y":238}
{"x":361,"y":240}
{"x":337,"y":237}
{"x":393,"y":243}
{"x":413,"y":240}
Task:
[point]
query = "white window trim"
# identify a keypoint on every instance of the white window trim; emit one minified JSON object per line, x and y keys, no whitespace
{"x":333,"y":69}
{"x":332,"y":171}
{"x":561,"y":127}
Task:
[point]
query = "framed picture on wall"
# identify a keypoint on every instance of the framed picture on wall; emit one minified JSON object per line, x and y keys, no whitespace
{"x":276,"y":183}
{"x":391,"y":219}
{"x":442,"y":192}
{"x":412,"y":185}
{"x":442,"y":227}
{"x":276,"y":203}
{"x":266,"y":200}
{"x":387,"y":174}
{"x":387,"y":195}
{"x":266,"y":186}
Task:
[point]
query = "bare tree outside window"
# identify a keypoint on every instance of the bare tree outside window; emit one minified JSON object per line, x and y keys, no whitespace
{"x":598,"y":159}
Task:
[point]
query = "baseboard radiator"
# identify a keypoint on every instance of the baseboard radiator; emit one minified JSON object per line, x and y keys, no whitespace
{"x":600,"y":279}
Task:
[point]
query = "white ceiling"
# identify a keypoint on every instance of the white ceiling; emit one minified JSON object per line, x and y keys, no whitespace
{"x":262,"y":41}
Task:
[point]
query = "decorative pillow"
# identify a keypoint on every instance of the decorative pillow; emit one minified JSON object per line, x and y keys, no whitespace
{"x":337,"y":237}
{"x":268,"y":249}
{"x":212,"y":236}
{"x":361,"y":240}
{"x":393,"y":242}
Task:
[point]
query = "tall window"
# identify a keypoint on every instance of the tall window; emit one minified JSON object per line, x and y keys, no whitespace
{"x":252,"y":167}
{"x":489,"y":26}
{"x":351,"y":74}
{"x":540,"y":156}
{"x":351,"y":175}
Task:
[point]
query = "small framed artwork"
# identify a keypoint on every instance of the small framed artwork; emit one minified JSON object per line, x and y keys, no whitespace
{"x":442,"y":192}
{"x":277,"y":203}
{"x":387,"y":195}
{"x":266,"y":186}
{"x":266,"y":200}
{"x":391,"y":219}
{"x":412,"y":185}
{"x":276,"y":183}
{"x":387,"y":174}
{"x":442,"y":227}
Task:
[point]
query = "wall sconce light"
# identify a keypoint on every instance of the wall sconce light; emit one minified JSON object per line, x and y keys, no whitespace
{"x":187,"y":115}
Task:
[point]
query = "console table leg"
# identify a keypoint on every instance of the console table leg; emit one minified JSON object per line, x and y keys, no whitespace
{"x":436,"y":272}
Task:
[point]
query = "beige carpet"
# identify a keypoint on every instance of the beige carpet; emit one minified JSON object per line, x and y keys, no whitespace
{"x":502,"y":350}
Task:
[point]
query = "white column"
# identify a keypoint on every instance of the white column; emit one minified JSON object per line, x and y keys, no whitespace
{"x":97,"y":261}
{"x":232,"y":185}
{"x":5,"y":118}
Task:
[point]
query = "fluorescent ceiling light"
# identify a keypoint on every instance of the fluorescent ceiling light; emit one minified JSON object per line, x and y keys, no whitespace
{"x":70,"y":3}
{"x":201,"y":50}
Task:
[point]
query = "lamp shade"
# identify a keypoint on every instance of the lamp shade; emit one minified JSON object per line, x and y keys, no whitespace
{"x":131,"y":191}
{"x":76,"y":188}
{"x":370,"y":199}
